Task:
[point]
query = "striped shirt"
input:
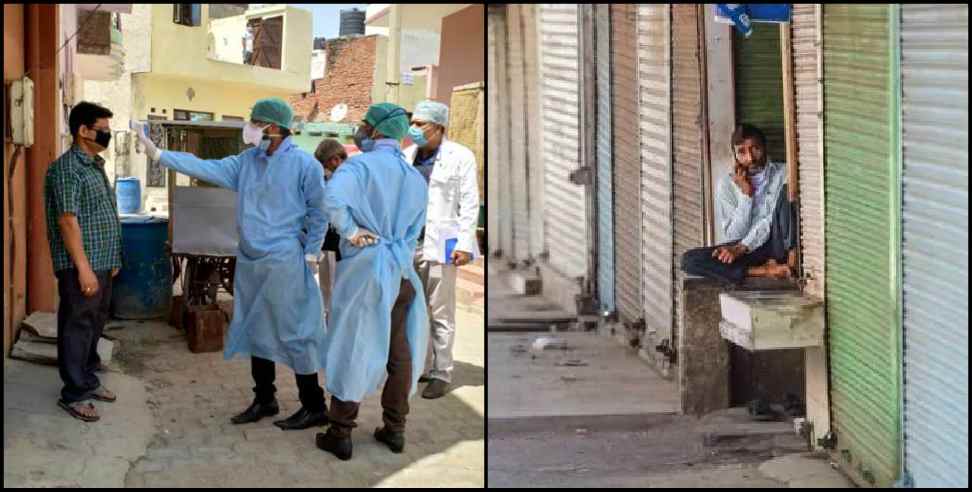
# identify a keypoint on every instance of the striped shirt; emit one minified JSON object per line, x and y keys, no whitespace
{"x":76,"y":183}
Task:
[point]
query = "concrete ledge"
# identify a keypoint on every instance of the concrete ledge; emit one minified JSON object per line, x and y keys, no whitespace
{"x":703,"y":356}
{"x":770,"y":320}
{"x":658,"y":361}
{"x":560,"y":289}
{"x":525,"y":282}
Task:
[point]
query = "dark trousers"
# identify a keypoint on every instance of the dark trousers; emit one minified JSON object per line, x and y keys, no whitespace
{"x":394,"y":396}
{"x":264,"y":373}
{"x":80,"y":323}
{"x":783,"y":238}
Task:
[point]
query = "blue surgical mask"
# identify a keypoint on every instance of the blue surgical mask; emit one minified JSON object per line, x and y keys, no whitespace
{"x":417,"y":136}
{"x":364,"y":142}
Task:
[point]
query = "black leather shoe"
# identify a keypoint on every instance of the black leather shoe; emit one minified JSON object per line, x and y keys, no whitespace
{"x":303,"y":419}
{"x":340,"y":447}
{"x":394,"y":440}
{"x":424,"y":379}
{"x":256,"y":412}
{"x":436,"y":389}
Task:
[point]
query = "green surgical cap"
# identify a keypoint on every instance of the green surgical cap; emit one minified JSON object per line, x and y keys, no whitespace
{"x":273,"y":110}
{"x":432,"y":111}
{"x":389,"y":119}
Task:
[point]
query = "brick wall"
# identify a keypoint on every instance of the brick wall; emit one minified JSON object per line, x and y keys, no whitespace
{"x":348,"y":78}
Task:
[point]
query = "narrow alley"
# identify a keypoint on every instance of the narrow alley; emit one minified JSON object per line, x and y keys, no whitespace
{"x":579,"y":409}
{"x":170,"y":426}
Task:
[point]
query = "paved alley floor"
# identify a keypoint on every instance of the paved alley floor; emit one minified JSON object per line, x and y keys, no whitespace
{"x":593,"y":414}
{"x":592,"y":375}
{"x":171,"y":424}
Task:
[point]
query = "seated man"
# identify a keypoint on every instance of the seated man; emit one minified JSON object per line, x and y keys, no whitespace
{"x":754,"y":215}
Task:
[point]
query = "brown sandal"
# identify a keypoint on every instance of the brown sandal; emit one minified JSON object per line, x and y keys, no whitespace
{"x":103,"y":394}
{"x":72,"y":408}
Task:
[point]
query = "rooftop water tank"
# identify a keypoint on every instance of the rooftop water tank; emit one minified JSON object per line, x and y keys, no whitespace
{"x":352,"y":22}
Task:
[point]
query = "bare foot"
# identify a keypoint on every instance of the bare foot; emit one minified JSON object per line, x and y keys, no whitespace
{"x":775,"y":270}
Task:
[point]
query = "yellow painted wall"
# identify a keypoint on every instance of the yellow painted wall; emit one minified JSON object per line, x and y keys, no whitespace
{"x":151,"y":90}
{"x":182,"y":51}
{"x":408,"y":95}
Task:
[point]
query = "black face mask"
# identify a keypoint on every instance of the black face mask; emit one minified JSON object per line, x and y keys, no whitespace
{"x":103,"y":138}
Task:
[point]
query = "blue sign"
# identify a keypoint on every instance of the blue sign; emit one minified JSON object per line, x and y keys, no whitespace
{"x":742,"y":15}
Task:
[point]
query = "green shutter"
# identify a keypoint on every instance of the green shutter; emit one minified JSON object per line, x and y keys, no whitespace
{"x":759,"y":85}
{"x":861,"y":181}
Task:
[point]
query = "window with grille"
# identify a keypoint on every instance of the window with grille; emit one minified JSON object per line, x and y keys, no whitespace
{"x":186,"y":115}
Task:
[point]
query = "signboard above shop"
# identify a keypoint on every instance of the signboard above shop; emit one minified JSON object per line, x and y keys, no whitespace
{"x":743,"y":15}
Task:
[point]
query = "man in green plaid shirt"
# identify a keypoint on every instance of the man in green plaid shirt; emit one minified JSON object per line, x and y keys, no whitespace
{"x":86,"y":247}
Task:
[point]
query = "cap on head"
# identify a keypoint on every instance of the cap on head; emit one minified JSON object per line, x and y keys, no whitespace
{"x":389,"y":119}
{"x":273,"y":110}
{"x":432,"y":111}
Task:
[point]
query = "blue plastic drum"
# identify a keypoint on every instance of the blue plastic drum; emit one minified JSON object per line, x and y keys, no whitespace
{"x":128,"y":192}
{"x":143,"y":287}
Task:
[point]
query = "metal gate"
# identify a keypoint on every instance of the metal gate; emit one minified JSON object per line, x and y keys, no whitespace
{"x":687,"y":127}
{"x":654,"y":111}
{"x":605,"y":177}
{"x":758,"y":74}
{"x":805,"y":32}
{"x":860,"y":141}
{"x":627,"y":163}
{"x":565,"y":204}
{"x":935,"y":246}
{"x":516,"y":72}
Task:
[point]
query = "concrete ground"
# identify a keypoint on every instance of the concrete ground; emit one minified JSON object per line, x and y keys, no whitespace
{"x":170,"y":426}
{"x":595,"y":415}
{"x":593,"y":376}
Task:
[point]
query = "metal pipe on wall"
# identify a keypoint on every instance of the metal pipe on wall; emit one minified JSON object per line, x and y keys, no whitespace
{"x":393,"y":57}
{"x":588,"y":85}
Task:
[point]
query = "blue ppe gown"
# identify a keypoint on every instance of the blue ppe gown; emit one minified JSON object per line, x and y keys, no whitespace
{"x":382,"y":193}
{"x":277,"y":305}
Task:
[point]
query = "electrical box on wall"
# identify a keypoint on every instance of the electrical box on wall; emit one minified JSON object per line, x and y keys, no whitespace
{"x":21,"y":116}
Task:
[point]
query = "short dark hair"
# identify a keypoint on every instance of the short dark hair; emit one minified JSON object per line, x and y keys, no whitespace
{"x":284,"y":132}
{"x":85,"y":113}
{"x":328,"y":149}
{"x":744,"y":131}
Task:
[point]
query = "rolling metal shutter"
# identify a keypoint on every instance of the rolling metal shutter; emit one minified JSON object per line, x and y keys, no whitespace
{"x":654,"y":111}
{"x":935,"y":132}
{"x":860,"y":141}
{"x":808,"y":130}
{"x":605,"y":166}
{"x":627,"y":162}
{"x":565,"y":205}
{"x":687,"y":127}
{"x":759,"y":85}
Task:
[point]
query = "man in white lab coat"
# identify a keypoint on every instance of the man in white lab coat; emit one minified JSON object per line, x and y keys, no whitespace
{"x":449,"y":238}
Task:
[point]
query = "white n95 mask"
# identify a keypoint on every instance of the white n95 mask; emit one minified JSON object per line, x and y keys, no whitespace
{"x":253,"y":134}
